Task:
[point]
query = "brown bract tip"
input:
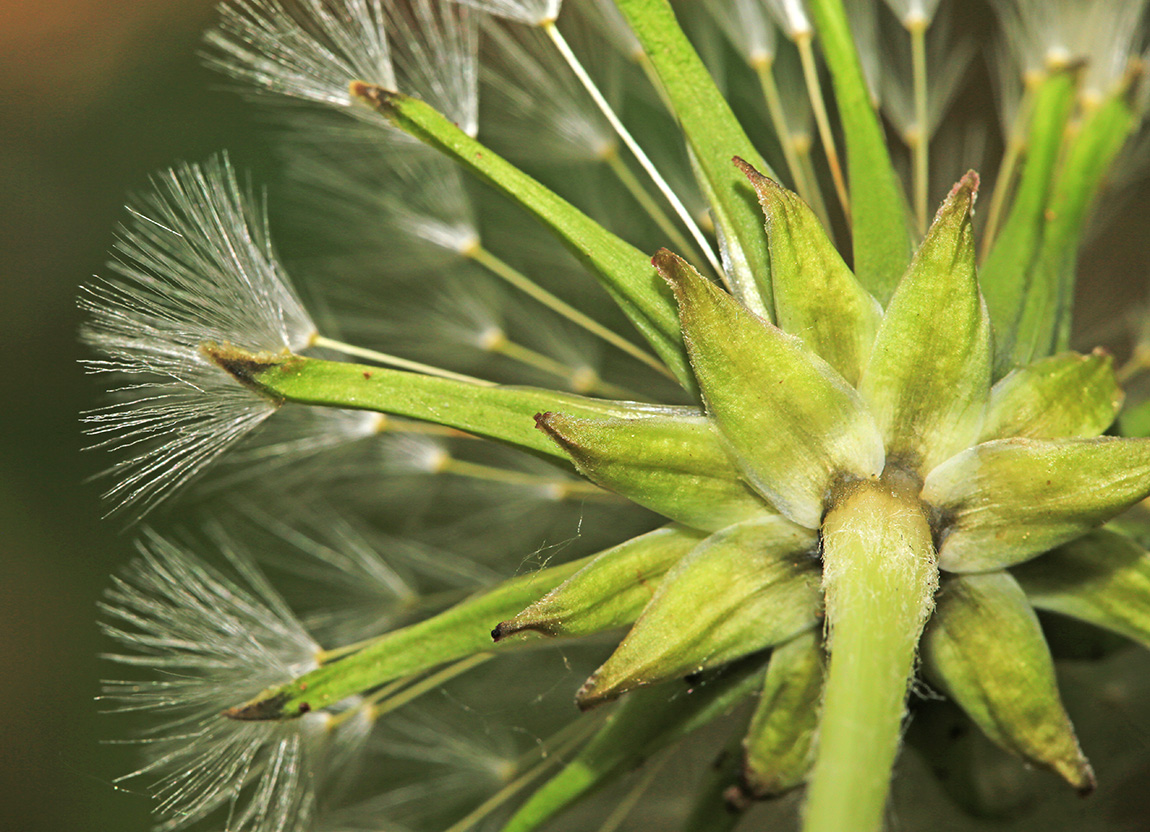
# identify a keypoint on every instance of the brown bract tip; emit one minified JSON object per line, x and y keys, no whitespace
{"x":373,"y":95}
{"x":749,"y":170}
{"x":258,"y":710}
{"x":240,"y":364}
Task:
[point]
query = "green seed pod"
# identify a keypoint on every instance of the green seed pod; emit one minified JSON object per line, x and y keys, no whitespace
{"x":790,"y":421}
{"x":608,"y":592}
{"x":984,"y":647}
{"x":673,"y":465}
{"x":1061,"y":397}
{"x":741,"y":590}
{"x":1009,"y":500}
{"x":816,"y":295}
{"x":929,"y":373}
{"x":779,"y":748}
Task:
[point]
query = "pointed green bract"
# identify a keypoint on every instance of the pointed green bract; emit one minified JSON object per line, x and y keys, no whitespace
{"x":984,"y":645}
{"x":611,"y":591}
{"x":816,"y":295}
{"x":1061,"y":397}
{"x":506,"y":414}
{"x":645,"y":722}
{"x":1102,"y":578}
{"x":743,"y":589}
{"x":713,"y":135}
{"x":624,"y":271}
{"x":792,"y":424}
{"x":1005,"y":275}
{"x":1044,"y":324}
{"x":879,"y":216}
{"x":780,"y":746}
{"x":463,"y":630}
{"x":675,"y":466}
{"x":1003,"y":502}
{"x":929,"y":373}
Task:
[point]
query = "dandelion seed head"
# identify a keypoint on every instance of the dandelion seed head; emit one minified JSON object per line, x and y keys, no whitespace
{"x":531,"y":12}
{"x":914,"y":13}
{"x":528,"y":87}
{"x":409,"y":210}
{"x":748,"y":26}
{"x":214,"y":641}
{"x":1051,"y":34}
{"x":193,"y":267}
{"x":312,"y":55}
{"x":792,"y":18}
{"x":435,"y":47}
{"x":950,"y":50}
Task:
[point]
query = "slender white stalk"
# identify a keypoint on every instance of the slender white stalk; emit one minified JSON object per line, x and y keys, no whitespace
{"x":520,"y":281}
{"x":921,"y":146}
{"x":811,"y":73}
{"x":580,"y":379}
{"x":565,"y":50}
{"x":631,"y":182}
{"x":763,"y":68}
{"x":394,"y":361}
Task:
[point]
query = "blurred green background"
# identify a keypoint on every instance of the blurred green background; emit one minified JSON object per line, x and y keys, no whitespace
{"x":93,"y":96}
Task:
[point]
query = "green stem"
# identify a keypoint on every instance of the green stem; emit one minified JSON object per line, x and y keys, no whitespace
{"x":881,"y":236}
{"x":504,"y":271}
{"x":822,"y":120}
{"x":879,"y":575}
{"x":640,"y":156}
{"x":917,"y":27}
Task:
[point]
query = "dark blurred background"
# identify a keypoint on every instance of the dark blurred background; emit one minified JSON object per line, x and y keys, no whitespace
{"x":93,"y":96}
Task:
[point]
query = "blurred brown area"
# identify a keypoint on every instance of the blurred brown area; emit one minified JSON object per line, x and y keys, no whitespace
{"x":94,"y":94}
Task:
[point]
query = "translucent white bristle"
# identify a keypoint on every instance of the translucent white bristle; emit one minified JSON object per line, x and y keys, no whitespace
{"x":213,"y":641}
{"x":310,"y":50}
{"x":792,"y":17}
{"x":435,"y":46}
{"x":950,"y":51}
{"x":1047,"y":34}
{"x":194,"y":267}
{"x":911,"y":13}
{"x":530,"y":87}
{"x":605,"y":17}
{"x":531,"y":12}
{"x":747,"y":24}
{"x":411,"y":208}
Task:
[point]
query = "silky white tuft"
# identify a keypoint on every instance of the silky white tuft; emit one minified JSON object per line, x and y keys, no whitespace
{"x":194,"y":267}
{"x":435,"y":48}
{"x":312,"y":55}
{"x":531,"y":12}
{"x":213,"y":642}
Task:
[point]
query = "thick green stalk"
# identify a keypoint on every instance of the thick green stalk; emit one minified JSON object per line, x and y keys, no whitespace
{"x":503,"y":413}
{"x":879,"y":575}
{"x":1005,"y":274}
{"x":714,"y":136}
{"x":882,"y":242}
{"x":623,"y":270}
